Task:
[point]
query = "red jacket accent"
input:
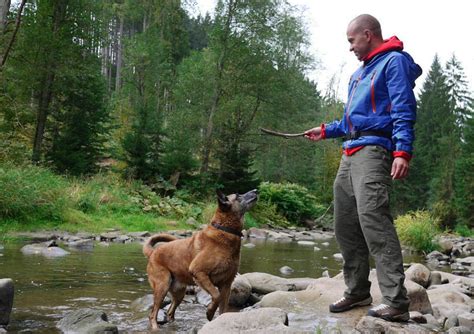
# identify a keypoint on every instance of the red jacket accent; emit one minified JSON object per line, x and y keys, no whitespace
{"x":402,"y":154}
{"x":323,"y":131}
{"x":390,"y":44}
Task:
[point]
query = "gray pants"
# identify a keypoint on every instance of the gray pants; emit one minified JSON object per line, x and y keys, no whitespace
{"x":364,"y":226}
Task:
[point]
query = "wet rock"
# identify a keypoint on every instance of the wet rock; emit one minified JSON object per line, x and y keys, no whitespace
{"x":240,"y":291}
{"x":375,"y":325}
{"x":249,"y":245}
{"x":316,"y":249}
{"x":203,"y":297}
{"x":301,"y":283}
{"x":145,"y":303}
{"x":451,"y":321}
{"x":109,"y":236}
{"x":285,"y":270}
{"x":6,"y":300}
{"x":418,"y":317}
{"x":306,"y":243}
{"x":257,"y":233}
{"x":264,"y":320}
{"x":435,"y":255}
{"x":81,"y":244}
{"x":279,"y":236}
{"x":86,"y":321}
{"x":48,"y":249}
{"x":338,"y":256}
{"x":446,"y":245}
{"x":418,"y":273}
{"x":264,"y":283}
{"x":435,"y":278}
{"x":138,"y":235}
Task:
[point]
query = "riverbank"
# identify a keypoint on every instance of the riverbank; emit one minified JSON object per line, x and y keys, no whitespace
{"x":259,"y":293}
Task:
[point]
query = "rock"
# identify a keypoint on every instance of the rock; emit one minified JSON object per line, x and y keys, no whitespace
{"x":375,"y":325}
{"x":446,"y":245}
{"x":82,"y":244}
{"x":263,"y":320}
{"x":86,"y":321}
{"x":419,"y":300}
{"x":47,"y":249}
{"x":467,"y":320}
{"x":418,"y":317}
{"x":285,"y":270}
{"x":460,"y":330}
{"x":325,"y":244}
{"x":435,"y":255}
{"x":306,"y":243}
{"x":418,"y":273}
{"x":435,"y":278}
{"x":109,"y":236}
{"x":240,"y":291}
{"x":145,"y":303}
{"x":316,"y":249}
{"x":338,"y":256}
{"x":249,"y":245}
{"x":257,"y":233}
{"x":263,"y":283}
{"x":279,"y":236}
{"x":466,"y":261}
{"x":301,"y":283}
{"x":139,"y":235}
{"x":6,"y":300}
{"x":450,"y":322}
{"x":203,"y":297}
{"x":325,"y":274}
{"x":447,"y":301}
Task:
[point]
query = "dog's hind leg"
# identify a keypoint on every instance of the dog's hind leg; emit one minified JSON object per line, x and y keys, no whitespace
{"x":202,"y":279}
{"x":160,"y":281}
{"x":225,"y":294}
{"x":178,"y":290}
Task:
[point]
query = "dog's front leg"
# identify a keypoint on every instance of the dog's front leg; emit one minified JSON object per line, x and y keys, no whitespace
{"x":202,"y":279}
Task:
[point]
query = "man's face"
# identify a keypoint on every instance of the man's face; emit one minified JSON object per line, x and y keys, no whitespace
{"x":359,"y":41}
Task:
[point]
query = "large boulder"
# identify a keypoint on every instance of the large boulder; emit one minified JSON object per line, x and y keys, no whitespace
{"x":86,"y":321}
{"x":257,"y":321}
{"x":6,"y":300}
{"x":419,"y":301}
{"x":376,"y":325}
{"x":240,"y":291}
{"x":48,"y":249}
{"x":264,"y":283}
{"x":446,"y":301}
{"x":418,"y":273}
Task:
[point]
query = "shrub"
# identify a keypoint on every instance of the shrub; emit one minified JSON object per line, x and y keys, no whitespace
{"x":418,"y":229}
{"x":293,"y":201}
{"x":464,"y":230}
{"x":265,"y":212}
{"x":31,"y":192}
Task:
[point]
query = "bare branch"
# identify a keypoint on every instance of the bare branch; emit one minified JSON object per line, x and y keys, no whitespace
{"x":281,"y":134}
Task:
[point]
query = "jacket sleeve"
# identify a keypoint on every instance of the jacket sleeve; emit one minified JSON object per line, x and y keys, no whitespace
{"x":400,"y":85}
{"x":334,"y":129}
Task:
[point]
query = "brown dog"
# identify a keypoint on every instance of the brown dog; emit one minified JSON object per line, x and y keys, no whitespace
{"x":210,"y":258}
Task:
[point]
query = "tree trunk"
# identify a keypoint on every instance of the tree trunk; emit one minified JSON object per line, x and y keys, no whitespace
{"x":4,"y":12}
{"x":217,"y":91}
{"x":118,"y":78}
{"x":4,"y":9}
{"x":46,"y":93}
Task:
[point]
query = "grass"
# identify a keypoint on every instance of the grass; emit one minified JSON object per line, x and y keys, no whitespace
{"x":418,"y":230}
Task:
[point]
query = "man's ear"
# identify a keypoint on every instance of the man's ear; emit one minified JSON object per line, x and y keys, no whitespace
{"x":222,"y":200}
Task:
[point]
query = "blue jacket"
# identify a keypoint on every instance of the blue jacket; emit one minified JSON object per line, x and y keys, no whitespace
{"x":381,"y":99}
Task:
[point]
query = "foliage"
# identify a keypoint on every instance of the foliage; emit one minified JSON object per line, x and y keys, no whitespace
{"x":417,"y":229}
{"x":293,"y":201}
{"x":31,"y":193}
{"x":266,"y":213}
{"x":464,"y":230}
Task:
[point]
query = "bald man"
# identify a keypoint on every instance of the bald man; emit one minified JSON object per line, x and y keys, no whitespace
{"x":377,"y":131}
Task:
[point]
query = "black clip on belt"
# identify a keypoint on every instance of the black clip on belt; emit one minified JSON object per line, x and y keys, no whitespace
{"x":357,"y":134}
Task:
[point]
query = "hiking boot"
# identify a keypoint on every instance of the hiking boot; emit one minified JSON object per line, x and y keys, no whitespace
{"x":345,"y":304}
{"x":389,"y":313}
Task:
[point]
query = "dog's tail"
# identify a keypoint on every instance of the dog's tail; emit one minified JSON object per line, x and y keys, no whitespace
{"x":154,"y":239}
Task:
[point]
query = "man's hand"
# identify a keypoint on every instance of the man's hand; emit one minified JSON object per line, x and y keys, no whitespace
{"x":313,"y":134}
{"x":399,"y":168}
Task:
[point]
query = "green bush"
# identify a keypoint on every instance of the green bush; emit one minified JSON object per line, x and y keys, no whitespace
{"x":418,"y":229}
{"x":293,"y":201}
{"x":32,"y":193}
{"x":265,"y":212}
{"x":464,"y":230}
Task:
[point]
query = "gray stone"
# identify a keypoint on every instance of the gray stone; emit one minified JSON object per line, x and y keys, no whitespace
{"x":467,"y":320}
{"x":460,"y":330}
{"x":306,"y":243}
{"x":451,"y":321}
{"x":376,"y":325}
{"x":338,"y":256}
{"x":264,"y":283}
{"x":82,"y":244}
{"x":249,"y":245}
{"x":257,"y":233}
{"x":435,"y":278}
{"x":285,"y":270}
{"x":257,"y":321}
{"x":7,"y":292}
{"x":240,"y":291}
{"x":86,"y":321}
{"x":418,"y":317}
{"x":418,"y":273}
{"x":418,"y":296}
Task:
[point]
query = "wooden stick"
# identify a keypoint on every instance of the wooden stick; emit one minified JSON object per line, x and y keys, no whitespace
{"x":280,"y":134}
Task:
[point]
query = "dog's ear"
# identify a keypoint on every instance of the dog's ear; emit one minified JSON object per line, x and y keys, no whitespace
{"x":224,"y":203}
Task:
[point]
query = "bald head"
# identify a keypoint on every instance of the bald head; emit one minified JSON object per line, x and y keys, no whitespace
{"x":366,"y":22}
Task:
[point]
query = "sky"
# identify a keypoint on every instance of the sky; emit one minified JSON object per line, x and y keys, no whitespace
{"x":425,"y":27}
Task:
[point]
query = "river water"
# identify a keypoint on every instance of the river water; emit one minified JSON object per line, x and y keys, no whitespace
{"x":111,"y":278}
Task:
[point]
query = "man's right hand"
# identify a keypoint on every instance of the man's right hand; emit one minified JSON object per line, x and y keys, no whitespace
{"x":314,"y":134}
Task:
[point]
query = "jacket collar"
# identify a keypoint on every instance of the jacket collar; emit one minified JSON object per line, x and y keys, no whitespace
{"x":391,"y":44}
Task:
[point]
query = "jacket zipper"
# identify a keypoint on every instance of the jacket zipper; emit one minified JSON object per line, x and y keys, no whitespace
{"x":350,"y":102}
{"x":372,"y":92}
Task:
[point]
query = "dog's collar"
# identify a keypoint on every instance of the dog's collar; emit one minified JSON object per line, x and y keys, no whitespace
{"x":227,"y":229}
